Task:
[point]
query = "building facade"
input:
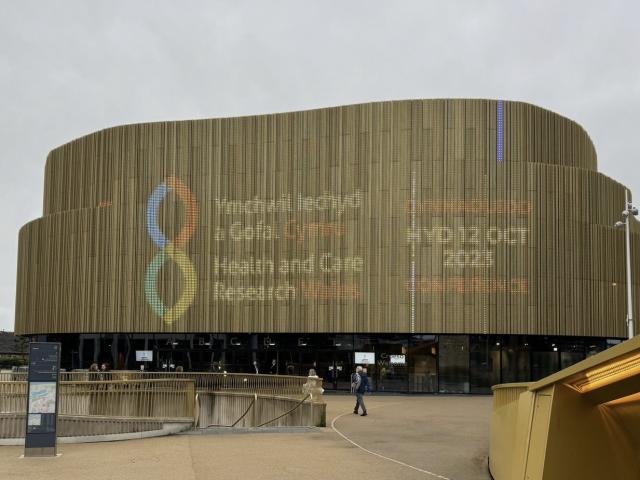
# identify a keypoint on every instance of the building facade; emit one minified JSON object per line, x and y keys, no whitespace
{"x":461,"y":243}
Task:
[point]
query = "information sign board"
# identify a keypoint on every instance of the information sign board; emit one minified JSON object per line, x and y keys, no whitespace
{"x":42,"y":399}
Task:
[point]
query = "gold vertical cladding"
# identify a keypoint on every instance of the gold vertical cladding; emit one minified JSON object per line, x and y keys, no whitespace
{"x":522,"y":245}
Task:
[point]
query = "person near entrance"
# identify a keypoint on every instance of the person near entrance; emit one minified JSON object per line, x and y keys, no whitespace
{"x":359,"y":385}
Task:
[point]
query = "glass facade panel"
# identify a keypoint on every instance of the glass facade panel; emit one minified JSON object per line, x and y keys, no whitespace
{"x":515,"y":361}
{"x":453,"y":367}
{"x":392,"y":370}
{"x":571,"y":351}
{"x":423,"y":363}
{"x":545,"y":357}
{"x":484,"y":362}
{"x":419,"y":363}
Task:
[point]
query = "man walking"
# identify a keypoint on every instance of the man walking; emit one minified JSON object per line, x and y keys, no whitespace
{"x":359,"y":385}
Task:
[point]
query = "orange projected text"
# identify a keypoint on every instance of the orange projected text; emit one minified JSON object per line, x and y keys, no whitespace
{"x":436,"y":207}
{"x":517,"y":286}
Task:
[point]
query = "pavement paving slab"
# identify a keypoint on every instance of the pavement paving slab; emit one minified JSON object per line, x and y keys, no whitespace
{"x":408,"y":437}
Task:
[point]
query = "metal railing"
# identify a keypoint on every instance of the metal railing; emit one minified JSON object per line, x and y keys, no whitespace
{"x":133,"y":398}
{"x":104,"y":407}
{"x":13,"y":397}
{"x":166,"y":399}
{"x":162,"y":399}
{"x":283,"y":385}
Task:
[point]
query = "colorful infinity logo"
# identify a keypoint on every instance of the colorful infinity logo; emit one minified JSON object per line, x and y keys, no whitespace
{"x":171,"y":250}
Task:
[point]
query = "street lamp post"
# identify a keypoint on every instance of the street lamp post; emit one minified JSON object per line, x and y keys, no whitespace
{"x":629,"y":210}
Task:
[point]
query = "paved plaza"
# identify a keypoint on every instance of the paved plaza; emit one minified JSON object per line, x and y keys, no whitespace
{"x":409,"y":437}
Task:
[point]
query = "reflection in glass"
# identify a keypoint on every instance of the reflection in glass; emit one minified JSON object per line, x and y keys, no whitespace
{"x":422,"y":363}
{"x":454,"y":364}
{"x":484,"y":362}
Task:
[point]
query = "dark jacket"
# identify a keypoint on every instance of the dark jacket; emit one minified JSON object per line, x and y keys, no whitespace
{"x":364,"y":384}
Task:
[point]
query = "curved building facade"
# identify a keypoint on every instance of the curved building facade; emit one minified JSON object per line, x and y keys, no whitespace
{"x":461,"y":237}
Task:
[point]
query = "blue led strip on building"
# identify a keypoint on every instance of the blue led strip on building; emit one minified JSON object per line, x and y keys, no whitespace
{"x":500,"y":131}
{"x":153,"y":205}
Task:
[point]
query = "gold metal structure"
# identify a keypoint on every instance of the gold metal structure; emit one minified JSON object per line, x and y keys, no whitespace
{"x":580,"y":423}
{"x":438,"y":216}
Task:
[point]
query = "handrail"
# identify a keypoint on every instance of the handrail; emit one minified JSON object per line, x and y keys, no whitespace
{"x":196,"y":409}
{"x":253,"y":402}
{"x":286,"y":413}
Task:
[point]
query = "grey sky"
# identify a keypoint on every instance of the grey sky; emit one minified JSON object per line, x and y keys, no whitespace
{"x":68,"y":68}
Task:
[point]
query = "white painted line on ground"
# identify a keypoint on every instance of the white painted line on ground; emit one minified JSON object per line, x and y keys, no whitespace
{"x":333,"y":427}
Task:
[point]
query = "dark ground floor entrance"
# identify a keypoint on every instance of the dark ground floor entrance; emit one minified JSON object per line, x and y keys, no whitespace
{"x":395,"y":362}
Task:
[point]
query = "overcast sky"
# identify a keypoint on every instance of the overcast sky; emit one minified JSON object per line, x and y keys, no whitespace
{"x":68,"y":68}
